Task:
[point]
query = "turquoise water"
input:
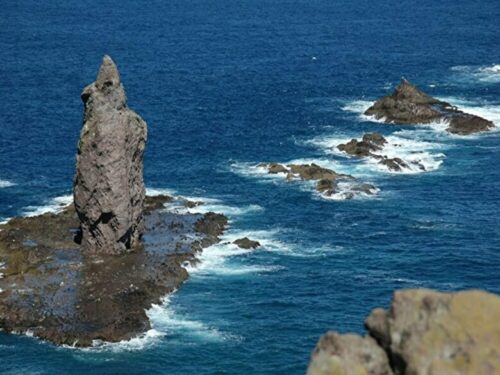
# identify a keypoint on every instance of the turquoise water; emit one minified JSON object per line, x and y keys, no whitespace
{"x":225,"y":85}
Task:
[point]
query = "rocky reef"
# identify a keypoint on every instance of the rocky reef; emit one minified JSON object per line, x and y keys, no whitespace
{"x":89,"y":272}
{"x":327,"y":180}
{"x":371,"y":145}
{"x":409,"y":105}
{"x":109,"y":185}
{"x":423,"y":333}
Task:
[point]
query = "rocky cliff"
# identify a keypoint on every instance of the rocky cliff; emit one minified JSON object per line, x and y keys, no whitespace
{"x":109,"y":185}
{"x":423,"y":333}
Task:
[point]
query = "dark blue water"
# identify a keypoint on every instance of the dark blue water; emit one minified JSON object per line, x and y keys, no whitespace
{"x":225,"y":85}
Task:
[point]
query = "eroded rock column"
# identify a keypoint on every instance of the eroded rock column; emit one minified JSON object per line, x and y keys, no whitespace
{"x":109,"y":184}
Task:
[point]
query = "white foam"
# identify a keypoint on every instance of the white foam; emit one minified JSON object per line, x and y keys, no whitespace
{"x":216,"y":261}
{"x":142,"y":341}
{"x":152,"y":192}
{"x":405,"y":145}
{"x":489,"y":111}
{"x":164,"y":318}
{"x":359,"y":107}
{"x":482,"y":74}
{"x":5,"y":183}
{"x":53,"y":205}
{"x":346,"y":190}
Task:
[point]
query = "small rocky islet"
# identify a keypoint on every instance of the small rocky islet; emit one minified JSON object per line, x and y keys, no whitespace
{"x":370,"y":146}
{"x":409,"y":105}
{"x":90,"y":271}
{"x":327,"y":180}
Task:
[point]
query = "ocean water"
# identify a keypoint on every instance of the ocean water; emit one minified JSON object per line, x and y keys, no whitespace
{"x":225,"y":85}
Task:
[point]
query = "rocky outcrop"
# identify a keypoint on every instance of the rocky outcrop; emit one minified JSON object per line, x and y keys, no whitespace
{"x":423,"y":333}
{"x":51,"y":289}
{"x":72,"y":277}
{"x":371,"y":145}
{"x":327,"y":179}
{"x":109,"y":187}
{"x":246,"y":243}
{"x":370,"y":142}
{"x":409,"y":105}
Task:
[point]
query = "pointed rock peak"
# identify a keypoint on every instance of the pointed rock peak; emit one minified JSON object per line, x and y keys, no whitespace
{"x":108,"y":73}
{"x":408,"y":91}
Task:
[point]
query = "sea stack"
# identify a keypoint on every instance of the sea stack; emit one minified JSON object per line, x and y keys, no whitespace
{"x":109,"y":184}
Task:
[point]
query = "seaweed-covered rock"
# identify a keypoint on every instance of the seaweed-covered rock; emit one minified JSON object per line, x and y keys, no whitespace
{"x":410,"y":105}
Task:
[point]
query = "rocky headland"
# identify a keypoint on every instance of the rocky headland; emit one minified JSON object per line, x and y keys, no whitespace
{"x":328,"y":181}
{"x":423,"y":333}
{"x":410,"y":105}
{"x":89,"y":272}
{"x":371,"y":146}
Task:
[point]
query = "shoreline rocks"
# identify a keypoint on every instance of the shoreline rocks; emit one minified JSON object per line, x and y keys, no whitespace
{"x":52,"y":290}
{"x":327,"y":180}
{"x":423,"y":333}
{"x":409,"y":105}
{"x":109,"y":185}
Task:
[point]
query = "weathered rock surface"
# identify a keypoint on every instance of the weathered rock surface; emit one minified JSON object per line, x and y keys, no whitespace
{"x":409,"y":105}
{"x":54,"y":290}
{"x":327,"y":180}
{"x":247,"y":243}
{"x":348,"y":354}
{"x":423,"y":333}
{"x":371,"y":142}
{"x":370,"y":146}
{"x":109,"y":186}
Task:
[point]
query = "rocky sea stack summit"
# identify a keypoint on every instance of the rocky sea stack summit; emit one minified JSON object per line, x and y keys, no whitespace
{"x":88,"y":273}
{"x":409,"y":105}
{"x":423,"y":333}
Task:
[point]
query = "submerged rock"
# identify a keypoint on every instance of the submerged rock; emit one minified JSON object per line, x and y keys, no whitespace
{"x":246,"y":243}
{"x":409,"y":105}
{"x":370,"y":142}
{"x":423,"y":333}
{"x":109,"y":186}
{"x":369,"y":145}
{"x":327,"y":179}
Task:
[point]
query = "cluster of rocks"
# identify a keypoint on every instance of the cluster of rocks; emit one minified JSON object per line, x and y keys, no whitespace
{"x":370,"y":146}
{"x":409,"y":105}
{"x":90,"y":271}
{"x":423,"y":333}
{"x":327,"y":180}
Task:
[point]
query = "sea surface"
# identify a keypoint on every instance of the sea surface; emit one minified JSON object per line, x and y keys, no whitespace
{"x":225,"y":85}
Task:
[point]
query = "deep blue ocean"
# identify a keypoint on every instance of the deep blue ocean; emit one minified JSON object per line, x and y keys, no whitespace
{"x":225,"y":85}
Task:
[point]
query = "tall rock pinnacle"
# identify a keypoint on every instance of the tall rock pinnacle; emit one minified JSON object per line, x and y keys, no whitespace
{"x":109,"y":185}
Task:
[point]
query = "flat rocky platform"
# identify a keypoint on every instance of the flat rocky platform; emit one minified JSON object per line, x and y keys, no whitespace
{"x":48,"y":288}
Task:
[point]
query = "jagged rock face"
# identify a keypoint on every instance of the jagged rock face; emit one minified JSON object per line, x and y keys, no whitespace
{"x":423,"y":333}
{"x":109,"y":185}
{"x":409,"y":105}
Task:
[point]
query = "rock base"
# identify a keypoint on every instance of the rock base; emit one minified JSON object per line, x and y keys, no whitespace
{"x":53,"y":290}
